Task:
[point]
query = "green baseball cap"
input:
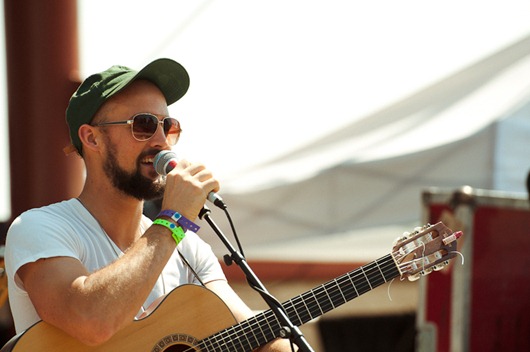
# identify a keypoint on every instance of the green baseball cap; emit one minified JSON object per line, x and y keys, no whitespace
{"x":170,"y":77}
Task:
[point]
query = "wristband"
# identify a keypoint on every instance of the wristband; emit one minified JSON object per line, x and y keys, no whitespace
{"x":181,"y":220}
{"x":176,"y":231}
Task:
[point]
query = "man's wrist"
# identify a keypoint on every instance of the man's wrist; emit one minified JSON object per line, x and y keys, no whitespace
{"x":181,"y":220}
{"x":177,"y":232}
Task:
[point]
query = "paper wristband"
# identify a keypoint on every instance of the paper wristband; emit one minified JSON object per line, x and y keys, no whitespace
{"x":180,"y":219}
{"x":176,"y":231}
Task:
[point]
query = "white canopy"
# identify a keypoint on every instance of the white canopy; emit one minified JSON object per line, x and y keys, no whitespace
{"x":317,"y":202}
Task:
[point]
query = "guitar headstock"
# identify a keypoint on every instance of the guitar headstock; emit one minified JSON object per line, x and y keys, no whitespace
{"x":424,"y":250}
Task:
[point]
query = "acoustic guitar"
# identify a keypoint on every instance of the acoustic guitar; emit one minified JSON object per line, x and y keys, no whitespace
{"x":192,"y":318}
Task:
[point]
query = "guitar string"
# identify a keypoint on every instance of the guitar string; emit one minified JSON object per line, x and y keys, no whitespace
{"x":354,"y":277}
{"x":388,"y":290}
{"x":313,"y":306}
{"x":263,"y":317}
{"x":460,"y":254}
{"x":290,"y":304}
{"x":387,"y":267}
{"x":229,"y":332}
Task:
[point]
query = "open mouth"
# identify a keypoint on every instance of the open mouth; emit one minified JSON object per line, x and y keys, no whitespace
{"x":147,"y":162}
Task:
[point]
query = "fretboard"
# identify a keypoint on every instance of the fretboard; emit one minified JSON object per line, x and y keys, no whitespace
{"x":301,"y":309}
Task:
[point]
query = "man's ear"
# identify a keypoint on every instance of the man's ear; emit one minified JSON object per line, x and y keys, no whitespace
{"x":89,"y":137}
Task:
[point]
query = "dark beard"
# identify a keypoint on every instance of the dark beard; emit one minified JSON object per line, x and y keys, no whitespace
{"x":132,"y":184}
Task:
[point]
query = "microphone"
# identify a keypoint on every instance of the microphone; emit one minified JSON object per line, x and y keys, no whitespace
{"x":166,"y":160}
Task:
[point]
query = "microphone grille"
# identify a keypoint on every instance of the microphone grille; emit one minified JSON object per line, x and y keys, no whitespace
{"x":161,"y":160}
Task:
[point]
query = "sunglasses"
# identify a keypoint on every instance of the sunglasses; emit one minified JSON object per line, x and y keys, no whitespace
{"x":145,"y":125}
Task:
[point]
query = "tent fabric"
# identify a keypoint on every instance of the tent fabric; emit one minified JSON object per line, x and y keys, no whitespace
{"x":471,"y":128}
{"x":444,"y":113}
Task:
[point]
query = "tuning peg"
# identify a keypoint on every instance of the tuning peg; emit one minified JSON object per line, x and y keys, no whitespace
{"x":403,"y":237}
{"x":427,"y":271}
{"x":453,"y":237}
{"x":439,"y":267}
{"x":414,"y":277}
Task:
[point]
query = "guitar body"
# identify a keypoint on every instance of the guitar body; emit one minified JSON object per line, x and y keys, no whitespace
{"x":188,"y":314}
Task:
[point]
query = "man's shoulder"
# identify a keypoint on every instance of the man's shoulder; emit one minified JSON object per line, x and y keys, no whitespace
{"x":59,"y":208}
{"x":38,"y":218}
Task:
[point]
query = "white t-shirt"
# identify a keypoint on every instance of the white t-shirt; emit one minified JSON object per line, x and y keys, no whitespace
{"x":68,"y":229}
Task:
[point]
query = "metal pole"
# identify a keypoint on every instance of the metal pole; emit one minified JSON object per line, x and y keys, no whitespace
{"x":42,"y":67}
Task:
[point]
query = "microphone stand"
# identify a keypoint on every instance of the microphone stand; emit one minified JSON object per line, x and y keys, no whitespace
{"x":288,"y":328}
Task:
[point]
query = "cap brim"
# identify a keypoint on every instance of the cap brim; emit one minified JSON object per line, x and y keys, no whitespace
{"x":170,"y":77}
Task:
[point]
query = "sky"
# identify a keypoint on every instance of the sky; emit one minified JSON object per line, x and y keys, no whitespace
{"x":269,"y":76}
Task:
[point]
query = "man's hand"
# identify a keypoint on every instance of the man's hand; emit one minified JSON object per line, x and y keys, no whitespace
{"x":187,"y":187}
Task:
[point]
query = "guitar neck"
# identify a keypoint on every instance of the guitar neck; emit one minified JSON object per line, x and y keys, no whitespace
{"x":301,"y":309}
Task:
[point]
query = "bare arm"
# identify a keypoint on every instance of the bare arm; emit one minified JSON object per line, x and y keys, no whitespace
{"x":92,"y":307}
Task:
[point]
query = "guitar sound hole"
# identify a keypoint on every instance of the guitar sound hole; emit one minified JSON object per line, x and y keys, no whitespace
{"x":179,"y":348}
